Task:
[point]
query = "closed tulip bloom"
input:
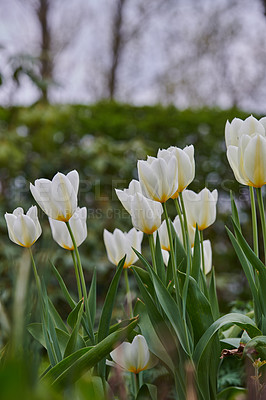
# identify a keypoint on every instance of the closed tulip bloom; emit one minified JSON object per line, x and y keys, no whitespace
{"x":23,"y":229}
{"x":185,"y":165}
{"x":237,"y":128}
{"x":134,"y":357}
{"x":165,"y":255}
{"x":126,"y":195}
{"x":57,"y":198}
{"x":201,"y":207}
{"x":158,"y":178}
{"x":163,"y":233}
{"x":145,"y":213}
{"x":118,"y":244}
{"x":78,"y":226}
{"x":248,"y":160}
{"x":207,"y":251}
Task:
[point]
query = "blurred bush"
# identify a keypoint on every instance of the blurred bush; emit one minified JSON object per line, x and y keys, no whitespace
{"x":103,"y":142}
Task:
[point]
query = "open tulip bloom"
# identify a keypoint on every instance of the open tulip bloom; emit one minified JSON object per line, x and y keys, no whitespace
{"x":158,"y":177}
{"x":145,"y":213}
{"x":248,"y":160}
{"x":133,"y":357}
{"x":118,"y":244}
{"x":23,"y":229}
{"x":126,"y":195}
{"x":78,"y":226}
{"x":185,"y":165}
{"x":238,"y":128}
{"x":201,"y":207}
{"x":57,"y":198}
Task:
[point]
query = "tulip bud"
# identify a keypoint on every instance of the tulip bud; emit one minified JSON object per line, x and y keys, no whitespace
{"x":119,"y":244}
{"x":23,"y":229}
{"x":134,"y":357}
{"x":185,"y":165}
{"x":57,"y":198}
{"x":78,"y":226}
{"x":201,"y":207}
{"x":158,"y":178}
{"x":248,"y":160}
{"x":145,"y":213}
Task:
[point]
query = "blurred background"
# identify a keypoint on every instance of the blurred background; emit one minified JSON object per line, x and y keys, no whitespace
{"x":96,"y":85}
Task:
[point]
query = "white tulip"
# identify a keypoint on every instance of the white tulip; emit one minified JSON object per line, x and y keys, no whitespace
{"x":207,"y":252}
{"x":248,"y":160}
{"x":23,"y":229}
{"x":126,"y":195}
{"x":237,"y":128}
{"x":165,"y":255}
{"x":145,"y":213}
{"x":185,"y":165}
{"x":134,"y":357}
{"x":118,"y":244}
{"x":158,"y":177}
{"x":201,"y":207}
{"x":57,"y":198}
{"x":78,"y":226}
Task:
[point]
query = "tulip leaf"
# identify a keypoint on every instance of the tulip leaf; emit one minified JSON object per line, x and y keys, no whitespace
{"x":69,"y":299}
{"x":235,"y":215}
{"x":259,"y":344}
{"x":160,"y":326}
{"x":196,"y":259}
{"x":92,"y":387}
{"x":205,"y":354}
{"x":113,"y":328}
{"x":108,"y":306}
{"x":36,"y":330}
{"x":213,"y":296}
{"x":159,"y":260}
{"x":59,"y":323}
{"x":75,"y":342}
{"x":71,"y":368}
{"x":73,"y":316}
{"x":148,"y":331}
{"x":147,"y":392}
{"x":92,"y":297}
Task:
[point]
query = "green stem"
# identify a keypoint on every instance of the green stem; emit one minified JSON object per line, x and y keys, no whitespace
{"x":152,"y":247}
{"x":262,"y":217}
{"x":38,"y":282}
{"x":202,"y":252}
{"x":77,"y":274}
{"x":128,"y":293}
{"x":137,"y":384}
{"x":80,"y":270}
{"x":177,"y":206}
{"x":254,"y":221}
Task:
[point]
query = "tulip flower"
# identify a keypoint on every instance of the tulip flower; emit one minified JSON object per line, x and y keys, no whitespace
{"x":165,"y":255}
{"x":207,"y":252}
{"x":126,"y":195}
{"x":145,"y":213}
{"x":57,"y":198}
{"x":248,"y":160}
{"x":158,"y":178}
{"x":201,"y":207}
{"x":23,"y":229}
{"x":133,"y":357}
{"x":237,"y":128}
{"x":118,"y":244}
{"x":185,"y":165}
{"x":78,"y":226}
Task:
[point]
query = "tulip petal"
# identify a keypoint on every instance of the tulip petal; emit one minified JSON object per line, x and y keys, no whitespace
{"x":255,"y":161}
{"x":10,"y":221}
{"x":110,"y":246}
{"x":24,"y":231}
{"x":232,"y":156}
{"x":63,"y":197}
{"x":73,"y":176}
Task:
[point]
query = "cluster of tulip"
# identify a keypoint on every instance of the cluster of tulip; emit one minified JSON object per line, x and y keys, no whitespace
{"x":162,"y":178}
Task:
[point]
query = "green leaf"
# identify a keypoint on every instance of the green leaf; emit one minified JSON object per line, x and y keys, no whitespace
{"x":59,"y":323}
{"x":235,"y":215}
{"x":213,"y":296}
{"x":258,"y":343}
{"x":75,"y":342}
{"x":36,"y":330}
{"x":73,"y":316}
{"x":108,"y":306}
{"x":91,"y":387}
{"x":148,"y":331}
{"x":92,"y":297}
{"x":161,"y":328}
{"x":196,"y":261}
{"x":147,"y":392}
{"x":71,"y":368}
{"x":69,"y":299}
{"x":159,"y":260}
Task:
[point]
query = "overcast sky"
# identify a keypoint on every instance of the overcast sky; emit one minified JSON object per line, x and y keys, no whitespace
{"x":158,"y":59}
